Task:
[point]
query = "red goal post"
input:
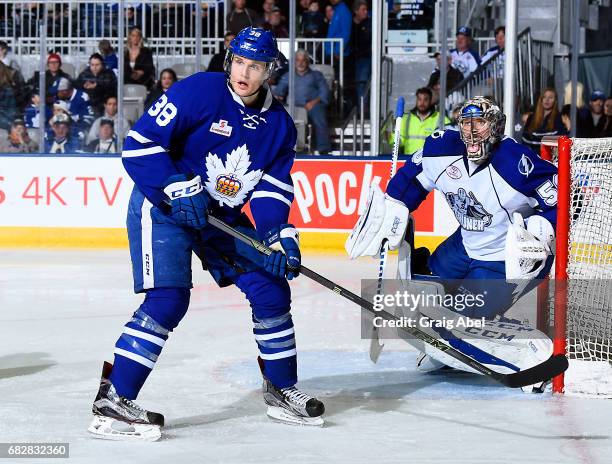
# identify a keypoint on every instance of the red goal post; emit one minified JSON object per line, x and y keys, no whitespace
{"x":562,"y":146}
{"x":582,"y":297}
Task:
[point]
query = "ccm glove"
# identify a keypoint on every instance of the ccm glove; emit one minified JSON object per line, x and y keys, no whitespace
{"x":188,"y":201}
{"x":285,"y":264}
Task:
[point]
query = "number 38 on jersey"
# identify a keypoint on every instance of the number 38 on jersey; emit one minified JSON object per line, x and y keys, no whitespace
{"x":164,"y":110}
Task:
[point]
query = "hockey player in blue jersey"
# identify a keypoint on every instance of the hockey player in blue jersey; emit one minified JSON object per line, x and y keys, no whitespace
{"x":502,"y":194}
{"x":212,"y":143}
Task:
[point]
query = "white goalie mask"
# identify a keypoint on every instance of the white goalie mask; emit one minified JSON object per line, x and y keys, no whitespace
{"x":481,"y":125}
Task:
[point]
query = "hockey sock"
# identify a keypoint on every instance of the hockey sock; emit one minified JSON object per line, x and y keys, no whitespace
{"x":275,"y":338}
{"x":143,"y":338}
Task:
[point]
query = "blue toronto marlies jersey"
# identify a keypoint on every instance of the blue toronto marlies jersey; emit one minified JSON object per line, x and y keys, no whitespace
{"x":483,"y":197}
{"x":201,"y":127}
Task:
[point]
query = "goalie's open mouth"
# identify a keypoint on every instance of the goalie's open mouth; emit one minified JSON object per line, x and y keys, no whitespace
{"x":475,"y":148}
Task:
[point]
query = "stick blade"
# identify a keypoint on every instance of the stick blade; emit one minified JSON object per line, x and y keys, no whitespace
{"x":553,"y":366}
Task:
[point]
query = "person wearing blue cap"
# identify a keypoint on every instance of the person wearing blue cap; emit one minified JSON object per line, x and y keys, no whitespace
{"x":464,"y":57}
{"x":592,"y":121}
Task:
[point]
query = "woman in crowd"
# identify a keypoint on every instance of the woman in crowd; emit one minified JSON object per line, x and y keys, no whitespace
{"x":8,"y":104}
{"x":545,"y":120}
{"x":166,"y":79}
{"x":139,"y":68}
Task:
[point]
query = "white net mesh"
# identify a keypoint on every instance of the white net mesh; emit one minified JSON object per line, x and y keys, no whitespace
{"x":589,"y":309}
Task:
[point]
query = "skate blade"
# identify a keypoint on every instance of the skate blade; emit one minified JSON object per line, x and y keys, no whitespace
{"x":108,"y":428}
{"x":279,"y":414}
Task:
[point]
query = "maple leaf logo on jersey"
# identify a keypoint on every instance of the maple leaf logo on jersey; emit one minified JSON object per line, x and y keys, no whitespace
{"x":229,"y":183}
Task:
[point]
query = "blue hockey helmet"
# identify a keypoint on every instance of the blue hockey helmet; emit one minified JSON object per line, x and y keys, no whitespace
{"x":253,"y":43}
{"x":256,"y":44}
{"x":480,"y":137}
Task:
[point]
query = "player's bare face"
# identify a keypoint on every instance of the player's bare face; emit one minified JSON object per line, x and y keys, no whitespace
{"x":247,"y":76}
{"x":474,"y":131}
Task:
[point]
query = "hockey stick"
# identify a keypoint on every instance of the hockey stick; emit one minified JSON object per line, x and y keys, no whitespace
{"x":376,"y":346}
{"x":550,"y":368}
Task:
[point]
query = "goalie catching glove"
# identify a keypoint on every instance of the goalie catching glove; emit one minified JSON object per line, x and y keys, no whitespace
{"x":188,"y":202}
{"x":528,"y":248}
{"x":384,"y":221}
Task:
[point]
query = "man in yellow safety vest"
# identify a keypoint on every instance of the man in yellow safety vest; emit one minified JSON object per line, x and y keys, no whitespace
{"x":419,"y":123}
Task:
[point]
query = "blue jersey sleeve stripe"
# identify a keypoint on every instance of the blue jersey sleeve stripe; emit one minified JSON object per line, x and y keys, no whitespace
{"x":142,"y":152}
{"x":138,"y":137}
{"x":274,"y":195}
{"x":277,"y":183}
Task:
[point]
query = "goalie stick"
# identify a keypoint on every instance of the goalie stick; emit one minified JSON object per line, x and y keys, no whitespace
{"x":376,"y":346}
{"x":550,"y":368}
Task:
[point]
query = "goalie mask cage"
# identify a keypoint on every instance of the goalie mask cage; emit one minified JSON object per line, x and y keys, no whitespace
{"x":575,"y":305}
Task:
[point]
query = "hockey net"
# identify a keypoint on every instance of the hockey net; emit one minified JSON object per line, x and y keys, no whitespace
{"x":580,"y":306}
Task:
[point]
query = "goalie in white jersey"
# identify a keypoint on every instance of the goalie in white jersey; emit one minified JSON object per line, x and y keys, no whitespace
{"x":503,"y":195}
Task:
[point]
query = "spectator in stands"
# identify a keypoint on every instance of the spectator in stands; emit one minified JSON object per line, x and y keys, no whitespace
{"x":8,"y":103}
{"x":312,"y":21}
{"x":138,"y":59}
{"x":566,"y":117}
{"x":53,"y":74}
{"x":500,"y":46}
{"x":267,"y":10}
{"x":275,"y":24}
{"x":464,"y":57}
{"x":453,"y":76}
{"x":61,"y":141}
{"x":30,"y":114}
{"x":218,"y":59}
{"x":166,"y":79}
{"x":18,"y":139}
{"x":419,"y":123}
{"x":62,"y":107}
{"x":329,"y":15}
{"x":110,"y":57}
{"x":110,"y":113}
{"x":241,"y":17}
{"x":311,"y":92}
{"x":545,"y":120}
{"x":7,"y":57}
{"x":81,"y":112}
{"x":591,"y":122}
{"x":361,"y":44}
{"x":106,"y":141}
{"x":339,"y":28}
{"x":607,"y":130}
{"x":98,"y":82}
{"x":19,"y":87}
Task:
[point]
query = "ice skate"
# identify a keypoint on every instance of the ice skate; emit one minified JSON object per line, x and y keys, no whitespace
{"x":292,"y":406}
{"x":118,"y":418}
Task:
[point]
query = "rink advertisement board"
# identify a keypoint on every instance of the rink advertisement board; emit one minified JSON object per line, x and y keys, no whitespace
{"x":87,"y":193}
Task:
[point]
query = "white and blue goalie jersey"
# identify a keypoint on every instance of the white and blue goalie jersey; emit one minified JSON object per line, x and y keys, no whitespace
{"x":200,"y":126}
{"x":482,"y":198}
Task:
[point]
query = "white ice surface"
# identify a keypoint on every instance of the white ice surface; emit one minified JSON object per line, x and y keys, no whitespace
{"x":61,"y":312}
